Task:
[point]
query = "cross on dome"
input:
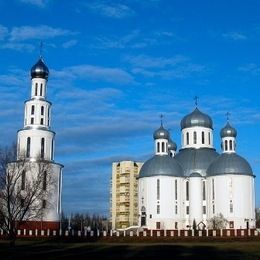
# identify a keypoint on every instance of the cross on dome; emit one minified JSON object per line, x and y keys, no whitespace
{"x":196,"y":99}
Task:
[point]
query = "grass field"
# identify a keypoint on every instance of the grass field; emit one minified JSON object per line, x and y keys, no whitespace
{"x":26,"y":249}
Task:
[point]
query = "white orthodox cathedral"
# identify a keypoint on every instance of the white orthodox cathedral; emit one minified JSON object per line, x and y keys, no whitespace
{"x":178,"y":189}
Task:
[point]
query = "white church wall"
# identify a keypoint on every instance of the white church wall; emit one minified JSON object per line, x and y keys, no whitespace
{"x":165,"y":202}
{"x":234,"y":198}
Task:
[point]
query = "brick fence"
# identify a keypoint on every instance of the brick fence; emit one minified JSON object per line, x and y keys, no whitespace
{"x":147,"y":233}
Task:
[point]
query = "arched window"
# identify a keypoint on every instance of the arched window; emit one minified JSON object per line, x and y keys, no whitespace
{"x":158,"y":189}
{"x":42,"y":147}
{"x":41,"y":121}
{"x":158,"y":147}
{"x":209,"y":138}
{"x":187,"y":138}
{"x":23,"y":181}
{"x":187,"y":190}
{"x":42,"y":110}
{"x":48,"y":116}
{"x":202,"y":138}
{"x":32,"y":120}
{"x":194,"y":137}
{"x":213,"y":190}
{"x":44,"y":181}
{"x":176,"y":191}
{"x":32,"y":110}
{"x":52,"y":147}
{"x":28,"y":147}
{"x":203,"y":190}
{"x":41,"y":90}
{"x":226,"y":145}
{"x":36,"y":89}
{"x":163,"y":147}
{"x":230,"y":145}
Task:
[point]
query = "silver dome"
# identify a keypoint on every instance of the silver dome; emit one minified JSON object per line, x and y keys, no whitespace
{"x":39,"y":70}
{"x":196,"y":118}
{"x":172,"y":146}
{"x":229,"y":163}
{"x":196,"y":160}
{"x":228,"y":131}
{"x":161,"y":165}
{"x":161,"y":133}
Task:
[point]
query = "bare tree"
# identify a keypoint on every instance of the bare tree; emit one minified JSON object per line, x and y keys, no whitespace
{"x":24,"y":190}
{"x":217,"y":222}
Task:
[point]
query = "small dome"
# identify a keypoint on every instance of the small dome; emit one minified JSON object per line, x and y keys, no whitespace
{"x":195,"y":160}
{"x":229,"y":163}
{"x":172,"y":146}
{"x":39,"y":70}
{"x":161,"y":133}
{"x":228,"y":131}
{"x":161,"y":165}
{"x":196,"y":118}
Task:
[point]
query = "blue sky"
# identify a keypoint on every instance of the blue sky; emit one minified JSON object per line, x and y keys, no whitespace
{"x":115,"y":66}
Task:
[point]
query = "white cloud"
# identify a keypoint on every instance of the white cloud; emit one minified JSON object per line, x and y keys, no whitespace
{"x":111,"y":9}
{"x":236,"y":36}
{"x":251,"y":68}
{"x":40,"y":32}
{"x":3,"y":32}
{"x":145,"y":61}
{"x":91,"y":72}
{"x":69,"y":44}
{"x":38,"y":3}
{"x":17,"y":46}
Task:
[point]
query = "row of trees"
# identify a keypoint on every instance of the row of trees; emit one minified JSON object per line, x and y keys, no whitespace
{"x":84,"y":221}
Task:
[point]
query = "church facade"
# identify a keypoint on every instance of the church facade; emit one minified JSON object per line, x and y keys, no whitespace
{"x":188,"y":188}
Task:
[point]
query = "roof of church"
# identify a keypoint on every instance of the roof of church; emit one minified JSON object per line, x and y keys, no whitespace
{"x":229,"y":163}
{"x":196,"y":160}
{"x":196,"y":118}
{"x":172,"y":146}
{"x":228,"y":131}
{"x":161,"y":165}
{"x":40,"y":70}
{"x":161,"y":132}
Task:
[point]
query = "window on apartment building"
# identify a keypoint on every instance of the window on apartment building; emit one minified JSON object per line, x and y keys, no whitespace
{"x":187,"y":210}
{"x":231,"y":224}
{"x":176,"y":209}
{"x":176,"y":225}
{"x":158,"y":209}
{"x":204,"y":209}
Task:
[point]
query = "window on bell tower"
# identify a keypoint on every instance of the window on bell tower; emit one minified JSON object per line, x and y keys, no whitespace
{"x":28,"y":147}
{"x":42,"y":147}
